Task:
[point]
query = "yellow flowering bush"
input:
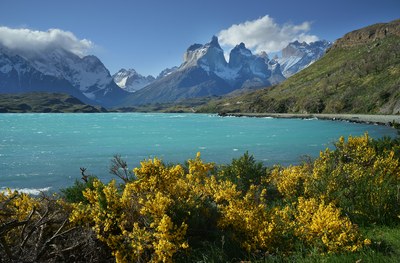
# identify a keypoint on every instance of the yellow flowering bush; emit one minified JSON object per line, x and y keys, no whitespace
{"x":168,"y":208}
{"x":15,"y":209}
{"x":165,"y":211}
{"x":356,"y":177}
{"x":253,"y":225}
{"x":134,"y":223}
{"x":16,"y":206}
{"x":290,"y":181}
{"x":323,"y":227}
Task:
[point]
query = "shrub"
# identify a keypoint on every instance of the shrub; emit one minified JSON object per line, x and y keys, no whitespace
{"x":243,"y":172}
{"x":147,"y":220}
{"x":290,"y":181}
{"x":361,"y":180}
{"x":37,"y":229}
{"x":168,"y":211}
{"x":323,"y":227}
{"x":74,"y":194}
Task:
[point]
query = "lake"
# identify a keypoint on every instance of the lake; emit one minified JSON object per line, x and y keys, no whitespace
{"x":45,"y":151}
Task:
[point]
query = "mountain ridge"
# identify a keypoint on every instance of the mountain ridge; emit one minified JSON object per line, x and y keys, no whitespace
{"x":205,"y":72}
{"x":360,"y":76}
{"x":58,"y":70}
{"x":39,"y":102}
{"x":297,"y":56}
{"x":130,"y":80}
{"x":369,"y":33}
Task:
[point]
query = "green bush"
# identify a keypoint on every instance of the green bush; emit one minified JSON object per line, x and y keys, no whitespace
{"x":243,"y":172}
{"x":74,"y":194}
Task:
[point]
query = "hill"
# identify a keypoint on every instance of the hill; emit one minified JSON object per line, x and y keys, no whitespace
{"x":359,"y":74}
{"x":44,"y":102}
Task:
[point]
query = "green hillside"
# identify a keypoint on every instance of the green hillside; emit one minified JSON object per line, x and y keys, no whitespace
{"x":359,"y":74}
{"x":44,"y":102}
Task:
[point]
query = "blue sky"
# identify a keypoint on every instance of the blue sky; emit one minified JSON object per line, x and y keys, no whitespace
{"x":150,"y":35}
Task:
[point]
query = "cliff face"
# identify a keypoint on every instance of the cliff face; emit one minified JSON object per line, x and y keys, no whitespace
{"x":368,"y":34}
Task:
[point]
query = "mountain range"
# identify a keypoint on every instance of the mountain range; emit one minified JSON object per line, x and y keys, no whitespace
{"x":360,"y":73}
{"x":130,"y":80}
{"x":204,"y":72}
{"x":297,"y":56}
{"x":58,"y":70}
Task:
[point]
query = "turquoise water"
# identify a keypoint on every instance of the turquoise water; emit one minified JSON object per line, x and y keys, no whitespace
{"x":45,"y":151}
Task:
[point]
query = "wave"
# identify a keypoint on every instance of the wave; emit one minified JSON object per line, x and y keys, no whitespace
{"x":31,"y":191}
{"x":178,"y":116}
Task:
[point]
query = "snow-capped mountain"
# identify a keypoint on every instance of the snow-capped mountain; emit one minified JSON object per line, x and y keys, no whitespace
{"x":209,"y":57}
{"x":17,"y":75}
{"x":253,"y":70}
{"x":166,"y":72}
{"x":198,"y":76}
{"x":205,"y":72}
{"x":130,"y":80}
{"x":297,"y":56}
{"x":86,"y":75}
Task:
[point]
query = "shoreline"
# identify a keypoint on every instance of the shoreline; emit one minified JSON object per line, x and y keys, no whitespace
{"x":387,"y":120}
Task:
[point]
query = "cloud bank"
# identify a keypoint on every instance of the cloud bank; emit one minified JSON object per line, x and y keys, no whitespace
{"x":26,"y":40}
{"x":264,"y":34}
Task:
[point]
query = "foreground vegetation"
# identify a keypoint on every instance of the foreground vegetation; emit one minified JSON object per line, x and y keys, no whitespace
{"x":342,"y":207}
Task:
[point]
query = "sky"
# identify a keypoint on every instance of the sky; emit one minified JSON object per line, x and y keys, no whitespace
{"x":151,"y":35}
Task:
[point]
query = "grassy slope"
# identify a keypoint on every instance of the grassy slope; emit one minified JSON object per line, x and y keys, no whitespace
{"x":358,"y":79}
{"x":385,"y":248}
{"x":43,"y":102}
{"x":187,"y":106}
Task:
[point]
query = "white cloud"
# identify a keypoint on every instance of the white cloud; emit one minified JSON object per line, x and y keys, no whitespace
{"x":264,"y":34}
{"x":26,"y":40}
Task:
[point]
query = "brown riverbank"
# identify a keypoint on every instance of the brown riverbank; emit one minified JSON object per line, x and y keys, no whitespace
{"x":359,"y":118}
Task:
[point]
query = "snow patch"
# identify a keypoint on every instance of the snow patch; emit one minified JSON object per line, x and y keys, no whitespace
{"x":131,"y":81}
{"x":90,"y":95}
{"x":122,"y":82}
{"x":6,"y":68}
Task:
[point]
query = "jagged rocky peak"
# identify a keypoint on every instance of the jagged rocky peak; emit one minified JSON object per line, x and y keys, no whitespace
{"x":91,"y":59}
{"x":214,"y":42}
{"x":297,"y":49}
{"x":124,"y":73}
{"x":84,"y":77}
{"x":131,"y":81}
{"x":294,"y":49}
{"x":209,"y":56}
{"x":121,"y":75}
{"x":94,"y":64}
{"x":297,"y":56}
{"x":240,"y":55}
{"x":263,"y":55}
{"x":248,"y":65}
{"x":167,"y":72}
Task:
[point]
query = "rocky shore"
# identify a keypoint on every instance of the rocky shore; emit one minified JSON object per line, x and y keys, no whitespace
{"x":388,"y":120}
